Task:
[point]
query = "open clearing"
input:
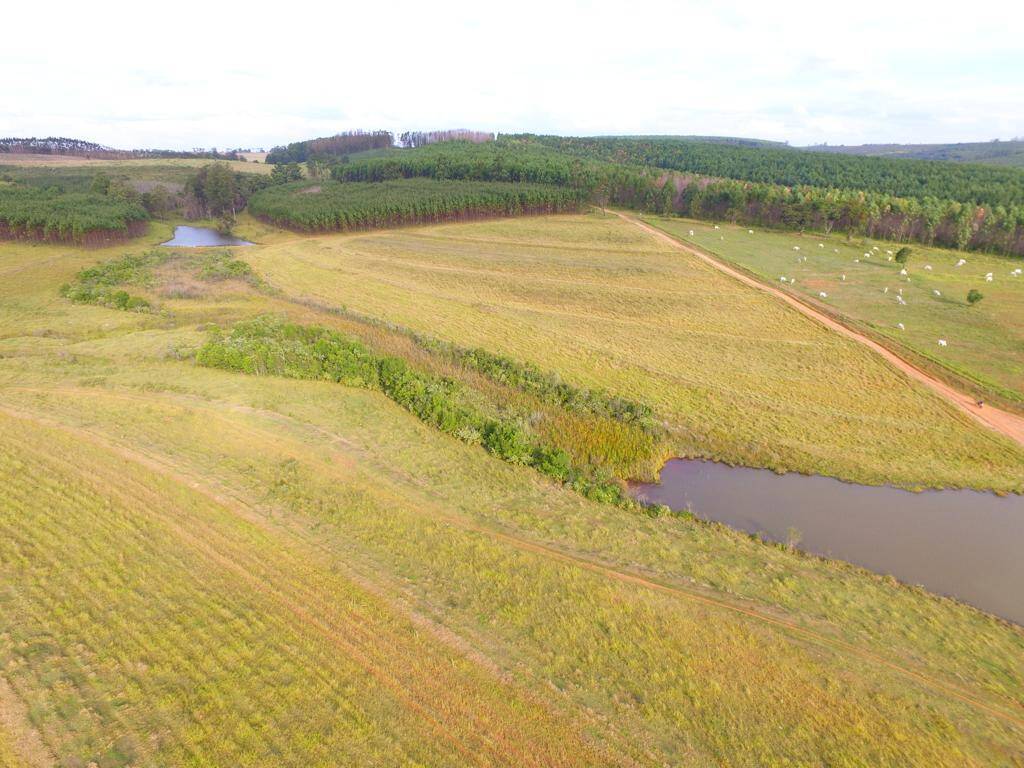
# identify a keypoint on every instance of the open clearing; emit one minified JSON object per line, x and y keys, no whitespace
{"x":606,"y":305}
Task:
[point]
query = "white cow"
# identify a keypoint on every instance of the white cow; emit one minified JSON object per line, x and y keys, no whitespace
{"x":961,"y":262}
{"x":936,"y":292}
{"x":823,"y":295}
{"x":928,"y":267}
{"x":901,"y":326}
{"x":903,"y":271}
{"x":942,"y":342}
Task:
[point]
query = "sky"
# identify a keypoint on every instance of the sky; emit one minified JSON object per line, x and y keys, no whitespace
{"x":211,"y":74}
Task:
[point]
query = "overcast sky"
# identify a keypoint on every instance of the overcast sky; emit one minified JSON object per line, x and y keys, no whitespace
{"x":190,"y":74}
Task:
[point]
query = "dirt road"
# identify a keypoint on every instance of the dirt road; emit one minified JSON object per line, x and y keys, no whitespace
{"x":1008,"y":424}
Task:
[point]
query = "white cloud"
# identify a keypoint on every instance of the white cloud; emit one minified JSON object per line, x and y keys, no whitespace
{"x":258,"y":74}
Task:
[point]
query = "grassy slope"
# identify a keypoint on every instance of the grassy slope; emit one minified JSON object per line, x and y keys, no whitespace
{"x":329,"y":580}
{"x":605,"y":305}
{"x":985,"y":342}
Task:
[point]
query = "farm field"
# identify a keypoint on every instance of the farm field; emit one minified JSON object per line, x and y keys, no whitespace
{"x":20,"y":160}
{"x":201,"y":567}
{"x":605,"y":305}
{"x":985,"y":342}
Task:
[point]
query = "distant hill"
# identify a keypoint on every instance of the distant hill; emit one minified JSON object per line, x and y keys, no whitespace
{"x":988,"y":152}
{"x":57,"y":145}
{"x":61,"y":145}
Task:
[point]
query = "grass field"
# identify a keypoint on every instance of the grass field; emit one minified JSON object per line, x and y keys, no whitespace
{"x":605,"y":305}
{"x":206,"y":568}
{"x":985,"y":342}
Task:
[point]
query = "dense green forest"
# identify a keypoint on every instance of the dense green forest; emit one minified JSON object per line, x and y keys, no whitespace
{"x":331,"y":205}
{"x":49,"y":214}
{"x":965,"y":183}
{"x":928,"y":220}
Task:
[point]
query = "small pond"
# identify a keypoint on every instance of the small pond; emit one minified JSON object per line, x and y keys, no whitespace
{"x":964,"y":544}
{"x":201,"y":237}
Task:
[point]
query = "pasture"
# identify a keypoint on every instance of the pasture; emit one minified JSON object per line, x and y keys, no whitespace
{"x":203,"y":567}
{"x":984,"y":342}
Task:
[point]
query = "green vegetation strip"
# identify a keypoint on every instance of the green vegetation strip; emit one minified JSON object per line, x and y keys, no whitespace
{"x":268,"y":346}
{"x":329,"y":205}
{"x":526,"y":377}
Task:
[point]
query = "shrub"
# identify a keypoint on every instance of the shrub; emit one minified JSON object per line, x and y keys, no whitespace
{"x":974,"y":296}
{"x":903,"y":254}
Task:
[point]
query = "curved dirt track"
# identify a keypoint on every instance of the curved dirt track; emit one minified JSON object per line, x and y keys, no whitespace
{"x":1008,"y":424}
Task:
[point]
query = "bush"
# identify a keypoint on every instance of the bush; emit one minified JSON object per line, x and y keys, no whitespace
{"x":902,"y":255}
{"x":974,"y":296}
{"x":507,"y":441}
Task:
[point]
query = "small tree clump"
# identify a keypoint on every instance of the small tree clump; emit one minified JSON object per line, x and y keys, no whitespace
{"x":903,"y":254}
{"x":974,"y":296}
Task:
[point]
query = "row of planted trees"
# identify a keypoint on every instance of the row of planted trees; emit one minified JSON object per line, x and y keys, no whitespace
{"x":81,"y":217}
{"x":930,"y":221}
{"x":336,"y":206}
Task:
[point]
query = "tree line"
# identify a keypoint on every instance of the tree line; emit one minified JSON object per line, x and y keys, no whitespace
{"x":330,"y":205}
{"x":336,"y":146}
{"x":413,"y":139}
{"x":963,"y":182}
